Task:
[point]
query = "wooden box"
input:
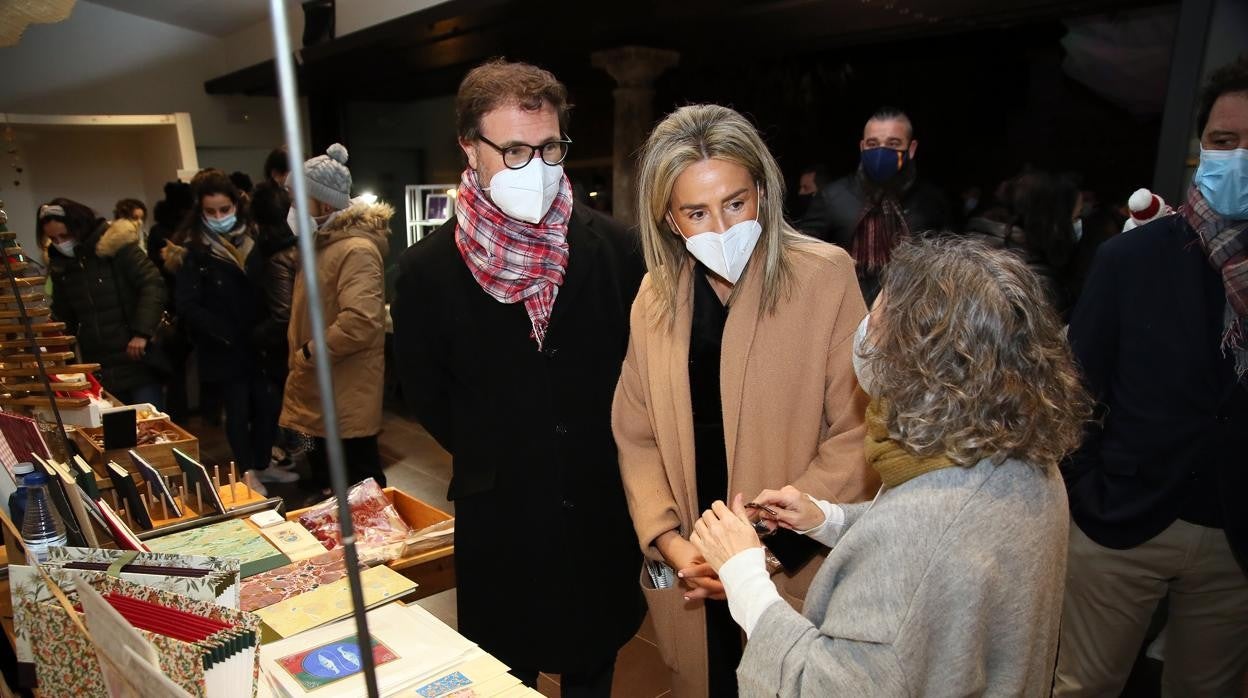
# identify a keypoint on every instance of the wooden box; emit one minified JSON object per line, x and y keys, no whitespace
{"x":159,"y":455}
{"x":433,"y":570}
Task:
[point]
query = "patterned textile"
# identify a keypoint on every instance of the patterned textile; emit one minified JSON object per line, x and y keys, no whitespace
{"x":514,"y":261}
{"x":1226,"y":244}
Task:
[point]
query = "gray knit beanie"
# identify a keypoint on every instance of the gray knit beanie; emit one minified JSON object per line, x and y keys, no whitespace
{"x":329,"y":180}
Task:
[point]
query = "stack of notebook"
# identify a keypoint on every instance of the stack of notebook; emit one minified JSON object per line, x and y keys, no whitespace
{"x":409,"y":646}
{"x":214,"y":580}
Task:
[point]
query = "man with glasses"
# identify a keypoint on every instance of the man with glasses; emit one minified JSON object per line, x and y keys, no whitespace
{"x":510,"y":323}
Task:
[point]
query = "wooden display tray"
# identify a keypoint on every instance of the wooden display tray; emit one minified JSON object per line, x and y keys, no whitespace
{"x":433,"y":570}
{"x":159,"y":455}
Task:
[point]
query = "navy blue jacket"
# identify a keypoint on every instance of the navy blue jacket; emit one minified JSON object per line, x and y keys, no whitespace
{"x":1173,"y":441}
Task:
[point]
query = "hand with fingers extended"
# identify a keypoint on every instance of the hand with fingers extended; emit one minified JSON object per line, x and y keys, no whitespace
{"x":699,"y":578}
{"x":789,"y":508}
{"x":723,"y":532}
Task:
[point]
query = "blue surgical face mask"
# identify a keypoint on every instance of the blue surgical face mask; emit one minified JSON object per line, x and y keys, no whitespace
{"x":1078,"y":228}
{"x":1223,"y":180}
{"x":882,"y":164}
{"x":222,"y":225}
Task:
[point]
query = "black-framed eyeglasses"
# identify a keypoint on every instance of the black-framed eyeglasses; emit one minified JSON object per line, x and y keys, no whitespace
{"x":519,"y":155}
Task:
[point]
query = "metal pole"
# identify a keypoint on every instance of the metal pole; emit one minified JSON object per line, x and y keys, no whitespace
{"x":307,"y":252}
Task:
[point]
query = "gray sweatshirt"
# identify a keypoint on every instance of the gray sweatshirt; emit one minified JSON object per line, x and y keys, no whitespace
{"x":950,"y":585}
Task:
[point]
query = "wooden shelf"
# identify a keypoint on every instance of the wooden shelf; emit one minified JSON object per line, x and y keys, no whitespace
{"x":14,"y":314}
{"x":48,"y":357}
{"x":43,"y":401}
{"x":59,"y":340}
{"x":41,"y":327}
{"x":38,"y":387}
{"x":33,"y":371}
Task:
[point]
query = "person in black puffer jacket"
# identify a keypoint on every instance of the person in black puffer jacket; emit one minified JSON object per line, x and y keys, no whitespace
{"x":107,"y":293}
{"x":220,"y":301}
{"x":278,"y":248}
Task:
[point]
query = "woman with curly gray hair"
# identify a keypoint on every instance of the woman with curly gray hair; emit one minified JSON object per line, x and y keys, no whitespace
{"x":950,"y":581}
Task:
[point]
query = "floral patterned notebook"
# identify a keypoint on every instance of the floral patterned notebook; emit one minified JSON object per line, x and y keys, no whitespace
{"x":296,"y":578}
{"x":231,"y":539}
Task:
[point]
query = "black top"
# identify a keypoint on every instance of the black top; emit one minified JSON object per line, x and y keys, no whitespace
{"x":546,"y":556}
{"x":1147,"y":333}
{"x":705,"y":339}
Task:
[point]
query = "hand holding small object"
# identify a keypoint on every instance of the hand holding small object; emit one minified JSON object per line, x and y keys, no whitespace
{"x":788,"y":508}
{"x":723,"y":532}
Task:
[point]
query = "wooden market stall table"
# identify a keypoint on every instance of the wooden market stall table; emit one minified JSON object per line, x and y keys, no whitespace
{"x":433,"y":570}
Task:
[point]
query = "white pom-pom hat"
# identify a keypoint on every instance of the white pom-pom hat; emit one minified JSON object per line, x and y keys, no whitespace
{"x":328,"y":178}
{"x":1145,"y":207}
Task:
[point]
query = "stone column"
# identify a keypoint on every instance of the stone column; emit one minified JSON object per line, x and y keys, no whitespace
{"x":634,"y":69}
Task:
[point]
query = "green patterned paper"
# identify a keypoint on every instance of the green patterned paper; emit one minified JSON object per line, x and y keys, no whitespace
{"x":232,"y":539}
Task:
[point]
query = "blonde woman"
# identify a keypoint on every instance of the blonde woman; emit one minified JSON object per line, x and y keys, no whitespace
{"x":951,"y":582}
{"x":738,"y":374}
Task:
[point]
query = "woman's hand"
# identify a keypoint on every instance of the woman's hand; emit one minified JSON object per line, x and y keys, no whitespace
{"x":793,"y":510}
{"x":699,"y":578}
{"x":136,"y":348}
{"x":723,"y":532}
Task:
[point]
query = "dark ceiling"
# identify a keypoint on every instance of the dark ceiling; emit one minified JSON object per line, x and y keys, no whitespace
{"x":426,"y":54}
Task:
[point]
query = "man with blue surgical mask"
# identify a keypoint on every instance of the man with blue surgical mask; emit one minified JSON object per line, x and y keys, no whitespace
{"x":869,"y":211}
{"x":510,"y":324}
{"x":1157,"y":489}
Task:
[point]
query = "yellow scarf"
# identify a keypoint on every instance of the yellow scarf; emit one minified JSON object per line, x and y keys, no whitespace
{"x":890,"y":459}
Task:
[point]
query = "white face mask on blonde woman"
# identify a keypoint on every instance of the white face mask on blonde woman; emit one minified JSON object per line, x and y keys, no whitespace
{"x":714,"y":207}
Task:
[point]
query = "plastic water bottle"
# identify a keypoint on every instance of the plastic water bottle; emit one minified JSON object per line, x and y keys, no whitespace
{"x":42,"y":527}
{"x":17,"y":499}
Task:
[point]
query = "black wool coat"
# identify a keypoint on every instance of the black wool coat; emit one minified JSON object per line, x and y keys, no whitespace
{"x":545,"y":555}
{"x":1147,"y":333}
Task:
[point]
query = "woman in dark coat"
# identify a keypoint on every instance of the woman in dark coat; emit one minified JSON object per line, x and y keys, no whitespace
{"x":1037,"y":223}
{"x":107,"y":293}
{"x":220,"y":301}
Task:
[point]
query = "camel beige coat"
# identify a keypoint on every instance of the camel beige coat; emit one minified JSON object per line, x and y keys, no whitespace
{"x":350,"y":249}
{"x":793,"y":414}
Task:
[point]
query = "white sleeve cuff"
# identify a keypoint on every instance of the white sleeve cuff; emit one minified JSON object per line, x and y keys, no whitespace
{"x":748,"y":586}
{"x":833,"y":521}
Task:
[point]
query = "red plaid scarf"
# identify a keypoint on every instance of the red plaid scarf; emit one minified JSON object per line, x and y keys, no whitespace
{"x":1226,"y":244}
{"x":512,"y":260}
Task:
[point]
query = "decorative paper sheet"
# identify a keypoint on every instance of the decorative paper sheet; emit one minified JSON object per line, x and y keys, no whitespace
{"x":296,"y":578}
{"x":293,"y":540}
{"x":332,"y":602}
{"x":331,"y":662}
{"x":230,"y":539}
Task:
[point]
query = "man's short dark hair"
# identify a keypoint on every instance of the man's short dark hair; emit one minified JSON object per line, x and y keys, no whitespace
{"x":887,"y":113}
{"x":1232,"y":77}
{"x":277,"y":161}
{"x":498,"y":83}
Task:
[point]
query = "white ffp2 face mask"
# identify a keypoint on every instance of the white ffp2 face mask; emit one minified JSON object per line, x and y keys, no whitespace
{"x":728,"y":252}
{"x":861,"y":368}
{"x":526,"y":194}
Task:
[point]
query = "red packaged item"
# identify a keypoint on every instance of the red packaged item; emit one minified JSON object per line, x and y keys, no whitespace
{"x":380,"y":533}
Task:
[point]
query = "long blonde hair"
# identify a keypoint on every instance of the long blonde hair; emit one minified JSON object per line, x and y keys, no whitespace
{"x":689,"y":135}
